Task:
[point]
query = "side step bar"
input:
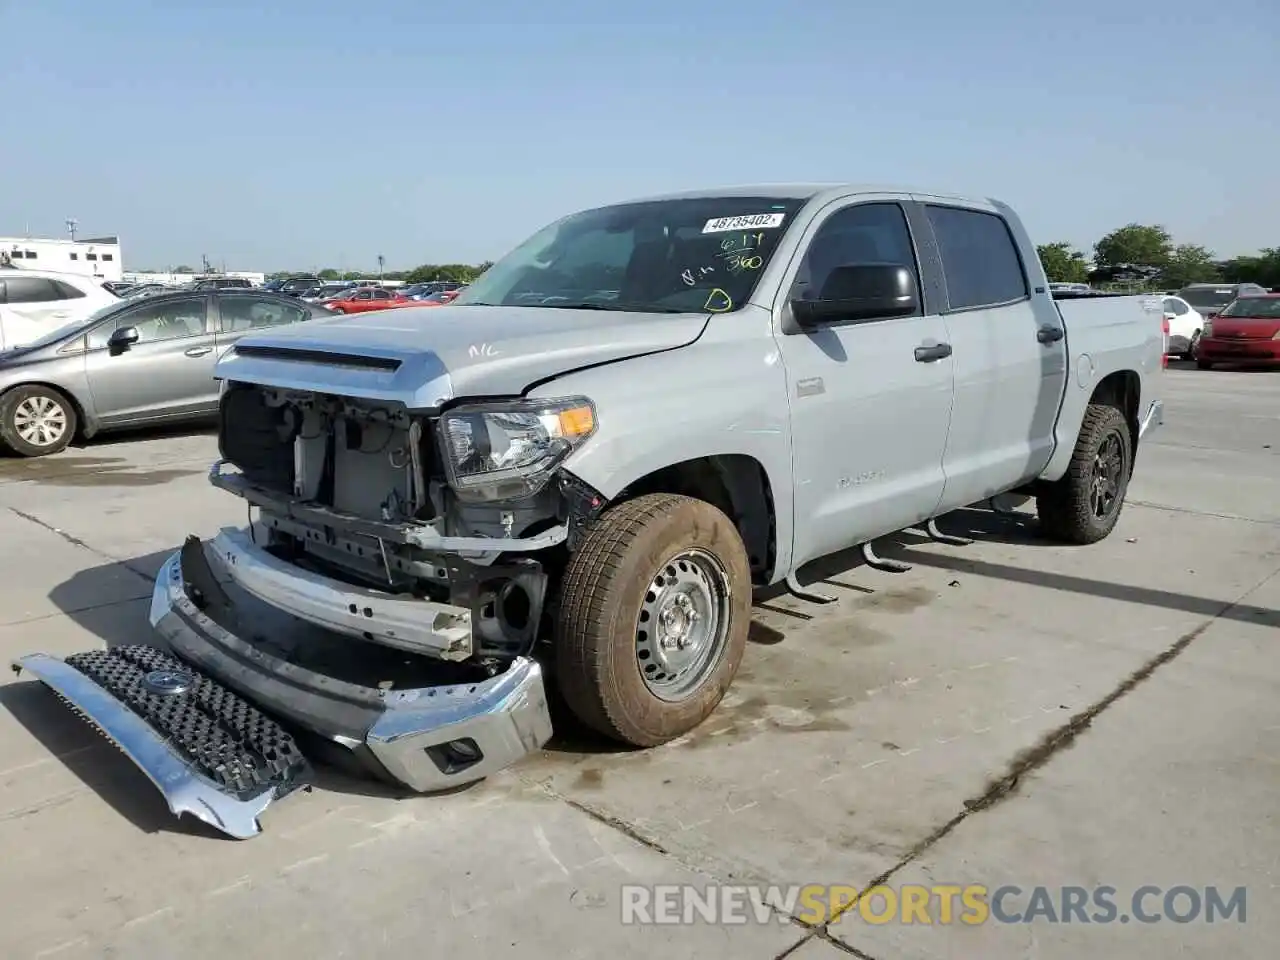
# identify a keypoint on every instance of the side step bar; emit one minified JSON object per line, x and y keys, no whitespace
{"x":208,"y":751}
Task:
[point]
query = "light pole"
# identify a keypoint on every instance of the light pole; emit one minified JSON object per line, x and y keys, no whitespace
{"x":381,"y":261}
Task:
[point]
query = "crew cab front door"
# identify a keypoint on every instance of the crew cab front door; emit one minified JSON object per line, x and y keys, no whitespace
{"x":870,"y":400}
{"x":168,"y":372}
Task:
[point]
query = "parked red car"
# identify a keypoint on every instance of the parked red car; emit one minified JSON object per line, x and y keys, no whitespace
{"x":1246,"y":331}
{"x":434,"y":300}
{"x":364,"y":299}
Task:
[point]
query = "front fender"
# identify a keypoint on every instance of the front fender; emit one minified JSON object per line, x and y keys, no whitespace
{"x":723,"y":395}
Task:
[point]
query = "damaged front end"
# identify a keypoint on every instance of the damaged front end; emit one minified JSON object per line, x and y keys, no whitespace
{"x":382,"y":608}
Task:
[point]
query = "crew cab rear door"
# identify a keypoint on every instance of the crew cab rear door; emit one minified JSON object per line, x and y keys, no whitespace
{"x":1010,"y":348}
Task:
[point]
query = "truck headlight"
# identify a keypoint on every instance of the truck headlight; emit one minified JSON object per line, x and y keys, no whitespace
{"x":506,"y":451}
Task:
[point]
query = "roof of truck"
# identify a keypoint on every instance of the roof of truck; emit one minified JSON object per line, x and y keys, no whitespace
{"x":798,"y":191}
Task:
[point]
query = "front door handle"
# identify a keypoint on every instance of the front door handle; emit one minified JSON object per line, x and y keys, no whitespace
{"x":1049,"y":334}
{"x":198,"y":351}
{"x":935,"y":351}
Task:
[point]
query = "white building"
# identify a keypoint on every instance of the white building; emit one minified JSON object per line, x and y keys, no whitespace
{"x":98,"y":257}
{"x":177,"y":279}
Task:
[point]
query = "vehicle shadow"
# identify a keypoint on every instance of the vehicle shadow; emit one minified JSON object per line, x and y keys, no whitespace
{"x":103,"y":442}
{"x":203,"y":426}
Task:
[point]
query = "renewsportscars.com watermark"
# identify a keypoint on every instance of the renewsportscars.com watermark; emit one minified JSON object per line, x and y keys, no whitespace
{"x":940,"y":904}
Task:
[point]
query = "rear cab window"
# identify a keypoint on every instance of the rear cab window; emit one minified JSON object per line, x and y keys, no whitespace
{"x":981,"y":265}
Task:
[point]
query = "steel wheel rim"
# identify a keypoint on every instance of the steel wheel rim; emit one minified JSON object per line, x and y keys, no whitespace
{"x":683,"y":626}
{"x":1105,"y":479}
{"x":40,"y":421}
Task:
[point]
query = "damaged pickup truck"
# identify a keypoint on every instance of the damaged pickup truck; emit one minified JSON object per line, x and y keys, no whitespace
{"x":576,"y":474}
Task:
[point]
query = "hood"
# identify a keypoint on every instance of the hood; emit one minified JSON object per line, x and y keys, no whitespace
{"x":426,"y":357}
{"x":1245,"y":328}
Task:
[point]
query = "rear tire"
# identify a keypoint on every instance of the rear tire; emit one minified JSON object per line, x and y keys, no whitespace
{"x":1203,"y":365}
{"x":652,"y":623}
{"x":1084,"y":506}
{"x":36,"y":421}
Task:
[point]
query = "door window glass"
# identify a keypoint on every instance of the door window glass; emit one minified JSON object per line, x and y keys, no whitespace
{"x":864,"y":233}
{"x":171,"y":320}
{"x":251,"y":313}
{"x":30,"y":290}
{"x":980,"y":262}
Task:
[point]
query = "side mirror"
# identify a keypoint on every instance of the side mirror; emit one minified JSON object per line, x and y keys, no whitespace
{"x":122,"y":339}
{"x":860,"y":291}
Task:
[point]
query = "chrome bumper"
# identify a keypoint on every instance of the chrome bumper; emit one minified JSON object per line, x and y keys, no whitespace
{"x":436,"y":629}
{"x":1154,"y":417}
{"x":428,"y":739}
{"x":177,"y":775}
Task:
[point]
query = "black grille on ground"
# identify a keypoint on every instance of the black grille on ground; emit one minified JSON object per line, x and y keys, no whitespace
{"x":228,"y":740}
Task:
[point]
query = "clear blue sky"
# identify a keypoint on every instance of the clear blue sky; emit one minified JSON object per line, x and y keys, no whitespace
{"x":308,"y":134}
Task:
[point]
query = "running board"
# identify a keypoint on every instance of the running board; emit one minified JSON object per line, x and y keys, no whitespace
{"x":209,"y":752}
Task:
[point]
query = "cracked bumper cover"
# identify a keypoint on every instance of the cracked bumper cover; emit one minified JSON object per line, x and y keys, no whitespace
{"x":198,"y":746}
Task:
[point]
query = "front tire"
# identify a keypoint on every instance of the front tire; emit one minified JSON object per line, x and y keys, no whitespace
{"x":1084,"y":506}
{"x":1203,"y":364}
{"x":36,"y":421}
{"x":654,"y":610}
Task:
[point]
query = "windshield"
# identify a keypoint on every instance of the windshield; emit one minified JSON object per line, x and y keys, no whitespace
{"x":1213,"y":298}
{"x":1265,"y":307}
{"x":692,"y":255}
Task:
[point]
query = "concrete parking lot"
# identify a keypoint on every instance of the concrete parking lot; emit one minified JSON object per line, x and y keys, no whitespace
{"x":1008,"y":712}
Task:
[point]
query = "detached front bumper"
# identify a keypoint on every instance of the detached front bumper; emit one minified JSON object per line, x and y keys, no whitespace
{"x":249,"y":670}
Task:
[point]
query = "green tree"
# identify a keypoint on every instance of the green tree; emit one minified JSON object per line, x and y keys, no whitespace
{"x":429,"y":272}
{"x":328,"y":273}
{"x":1134,"y":243}
{"x":1063,"y":264}
{"x":1262,"y":268}
{"x":1188,"y":263}
{"x":183,"y":269}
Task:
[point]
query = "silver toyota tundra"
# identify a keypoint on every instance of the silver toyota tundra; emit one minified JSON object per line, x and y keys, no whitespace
{"x":574,"y":476}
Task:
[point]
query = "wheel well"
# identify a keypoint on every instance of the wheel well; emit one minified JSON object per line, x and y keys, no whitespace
{"x":737,"y":485}
{"x":1122,"y":390}
{"x":71,"y":399}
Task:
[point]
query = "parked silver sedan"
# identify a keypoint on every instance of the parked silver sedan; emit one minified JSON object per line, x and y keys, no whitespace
{"x":133,"y":363}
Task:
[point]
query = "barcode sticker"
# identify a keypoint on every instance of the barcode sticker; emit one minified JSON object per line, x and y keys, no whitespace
{"x":753,"y":221}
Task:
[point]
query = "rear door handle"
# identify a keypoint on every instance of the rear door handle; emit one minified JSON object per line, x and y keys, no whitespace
{"x":937,"y":351}
{"x":1049,"y":334}
{"x":198,"y":351}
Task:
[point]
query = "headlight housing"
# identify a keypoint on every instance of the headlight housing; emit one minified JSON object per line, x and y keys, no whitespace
{"x":507,"y":451}
{"x":1207,"y":329}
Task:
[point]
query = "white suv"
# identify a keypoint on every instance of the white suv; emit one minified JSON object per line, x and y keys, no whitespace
{"x":36,"y":302}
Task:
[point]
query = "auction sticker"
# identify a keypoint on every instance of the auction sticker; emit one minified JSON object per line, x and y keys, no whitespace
{"x":754,"y":221}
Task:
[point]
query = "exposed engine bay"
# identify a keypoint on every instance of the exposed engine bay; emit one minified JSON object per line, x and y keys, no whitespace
{"x":444,"y":507}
